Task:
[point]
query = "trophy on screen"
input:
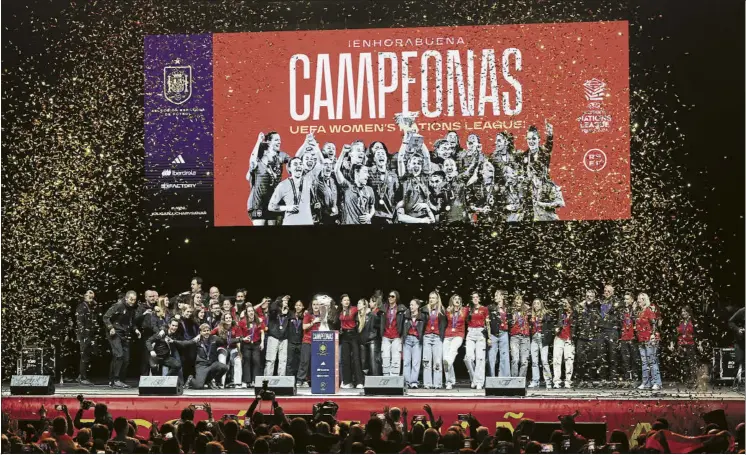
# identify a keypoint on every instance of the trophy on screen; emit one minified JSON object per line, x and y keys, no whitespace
{"x":325,"y":303}
{"x":407,"y":123}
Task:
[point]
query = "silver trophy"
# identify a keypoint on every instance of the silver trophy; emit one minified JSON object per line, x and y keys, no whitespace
{"x":407,"y":122}
{"x":325,"y":303}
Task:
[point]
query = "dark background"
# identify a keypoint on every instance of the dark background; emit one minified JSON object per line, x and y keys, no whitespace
{"x":684,"y":245}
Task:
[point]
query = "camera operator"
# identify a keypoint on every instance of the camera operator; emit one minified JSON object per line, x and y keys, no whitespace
{"x":120,"y":322}
{"x":163,"y":350}
{"x":84,"y":330}
{"x":100,"y":415}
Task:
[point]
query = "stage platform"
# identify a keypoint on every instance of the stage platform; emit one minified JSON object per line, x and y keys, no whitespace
{"x":628,"y":409}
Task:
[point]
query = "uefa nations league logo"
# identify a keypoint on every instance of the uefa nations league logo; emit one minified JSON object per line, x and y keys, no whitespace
{"x":177,"y":83}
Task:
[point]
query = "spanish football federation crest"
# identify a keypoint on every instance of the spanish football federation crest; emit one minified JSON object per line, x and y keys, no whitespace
{"x":177,"y":83}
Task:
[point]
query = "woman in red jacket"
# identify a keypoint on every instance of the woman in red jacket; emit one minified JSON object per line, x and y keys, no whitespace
{"x":455,"y":331}
{"x":646,"y":327}
{"x":231,"y":334}
{"x":352,"y":372}
{"x":686,"y":348}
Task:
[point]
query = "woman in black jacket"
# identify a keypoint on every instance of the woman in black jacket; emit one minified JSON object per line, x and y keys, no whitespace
{"x":347,"y":321}
{"x":369,"y":328}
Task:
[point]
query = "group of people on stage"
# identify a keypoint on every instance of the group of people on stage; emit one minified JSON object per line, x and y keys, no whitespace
{"x":219,"y":341}
{"x":368,"y":185}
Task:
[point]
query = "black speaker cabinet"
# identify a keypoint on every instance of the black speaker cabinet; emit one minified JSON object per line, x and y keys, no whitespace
{"x":505,"y":387}
{"x":27,"y":384}
{"x":160,"y":386}
{"x":384,"y":385}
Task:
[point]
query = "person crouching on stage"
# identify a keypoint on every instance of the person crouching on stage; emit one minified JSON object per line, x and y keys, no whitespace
{"x":311,"y":323}
{"x":542,"y":334}
{"x":476,"y":341}
{"x":646,"y":326}
{"x":432,"y":350}
{"x":207,"y":364}
{"x":456,"y":316}
{"x":230,"y":334}
{"x":278,"y":321}
{"x":352,"y":371}
{"x":252,"y":331}
{"x":627,"y":342}
{"x":563,"y":345}
{"x":393,"y":328}
{"x":120,"y":322}
{"x":84,"y":330}
{"x":163,"y":348}
{"x":499,"y":341}
{"x":519,"y":337}
{"x":295,"y":338}
{"x":686,"y":348}
{"x":189,"y":331}
{"x":414,"y":330}
{"x":369,"y":326}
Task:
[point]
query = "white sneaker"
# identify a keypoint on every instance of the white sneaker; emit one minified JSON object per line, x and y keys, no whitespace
{"x":549,"y":386}
{"x":473,"y":386}
{"x":533,"y":384}
{"x":449,"y":386}
{"x":346,"y":386}
{"x":359,"y":386}
{"x":643,"y":387}
{"x":568,"y":385}
{"x":414,"y":386}
{"x":479,"y":387}
{"x":656,"y":387}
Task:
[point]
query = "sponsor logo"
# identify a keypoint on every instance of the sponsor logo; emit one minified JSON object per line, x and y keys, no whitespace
{"x":177,"y":83}
{"x":595,"y":119}
{"x":168,"y":186}
{"x":173,"y":173}
{"x":178,"y":160}
{"x":594,"y":160}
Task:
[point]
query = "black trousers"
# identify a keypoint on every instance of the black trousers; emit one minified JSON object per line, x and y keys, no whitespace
{"x":188,"y":358}
{"x":85,"y":358}
{"x":157,"y":363}
{"x":370,"y":358}
{"x":144,"y":356}
{"x":686,"y":367}
{"x":251,"y":362}
{"x":630,"y":358}
{"x":585,"y":360}
{"x":206,"y":373}
{"x":607,"y":358}
{"x":293,"y":359}
{"x":305,"y":363}
{"x":120,"y":358}
{"x":352,"y":371}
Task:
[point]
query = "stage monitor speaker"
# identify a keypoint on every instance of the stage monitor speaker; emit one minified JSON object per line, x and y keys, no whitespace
{"x":384,"y":385}
{"x":505,"y":387}
{"x":724,"y":364}
{"x":589,"y":430}
{"x":280,"y":385}
{"x":27,"y":384}
{"x":160,"y":386}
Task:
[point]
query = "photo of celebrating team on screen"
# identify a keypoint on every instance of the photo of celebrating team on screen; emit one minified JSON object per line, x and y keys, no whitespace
{"x":368,"y":184}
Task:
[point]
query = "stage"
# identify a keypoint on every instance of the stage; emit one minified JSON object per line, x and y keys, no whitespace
{"x":628,"y":409}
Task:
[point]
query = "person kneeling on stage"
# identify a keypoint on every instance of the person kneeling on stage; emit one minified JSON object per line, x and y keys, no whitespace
{"x":163,"y":348}
{"x":207,"y":364}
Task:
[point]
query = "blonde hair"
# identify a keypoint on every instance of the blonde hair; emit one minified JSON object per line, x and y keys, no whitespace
{"x":543,"y":311}
{"x":361,"y":314}
{"x":439,"y":304}
{"x":163,"y":303}
{"x":451,"y":302}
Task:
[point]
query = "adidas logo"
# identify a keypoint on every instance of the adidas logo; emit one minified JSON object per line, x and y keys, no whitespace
{"x":178,"y":160}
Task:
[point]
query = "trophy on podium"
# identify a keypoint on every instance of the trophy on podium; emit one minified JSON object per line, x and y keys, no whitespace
{"x":324,"y":303}
{"x":407,"y":123}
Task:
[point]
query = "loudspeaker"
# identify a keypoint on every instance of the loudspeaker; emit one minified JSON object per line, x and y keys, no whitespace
{"x":725,"y":364}
{"x":160,"y":385}
{"x":280,"y":385}
{"x":31,"y":385}
{"x":384,"y":385}
{"x":505,"y":387}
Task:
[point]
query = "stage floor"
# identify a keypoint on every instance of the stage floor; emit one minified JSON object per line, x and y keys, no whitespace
{"x":670,"y":391}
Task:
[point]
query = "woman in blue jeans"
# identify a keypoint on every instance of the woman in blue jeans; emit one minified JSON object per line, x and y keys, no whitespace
{"x":432,"y":342}
{"x":414,"y":330}
{"x":499,"y":343}
{"x":646,"y":326}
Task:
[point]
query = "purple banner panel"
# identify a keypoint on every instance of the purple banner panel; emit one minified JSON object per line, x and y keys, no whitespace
{"x":179,"y":128}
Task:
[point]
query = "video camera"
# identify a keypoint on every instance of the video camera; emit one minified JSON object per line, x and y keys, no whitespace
{"x":326,"y":412}
{"x":85,"y":404}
